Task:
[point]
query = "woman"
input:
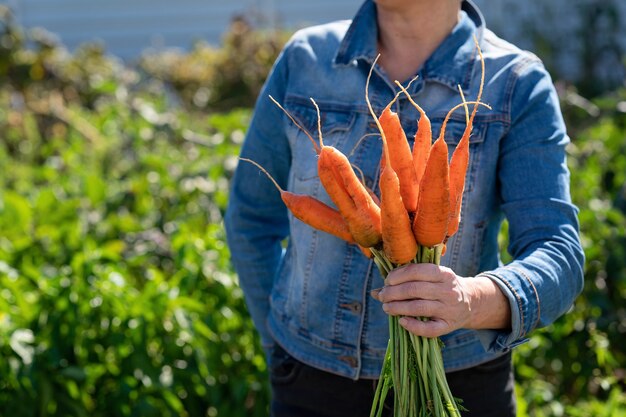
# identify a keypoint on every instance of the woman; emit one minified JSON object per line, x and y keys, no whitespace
{"x":324,"y":334}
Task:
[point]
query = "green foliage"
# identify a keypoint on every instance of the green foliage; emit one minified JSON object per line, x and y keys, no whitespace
{"x":220,"y":78}
{"x":117,"y":297}
{"x":116,"y":293}
{"x":576,"y":366}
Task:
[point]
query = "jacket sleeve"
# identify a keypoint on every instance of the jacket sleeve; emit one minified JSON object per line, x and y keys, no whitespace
{"x":546,"y":273}
{"x":256,"y":219}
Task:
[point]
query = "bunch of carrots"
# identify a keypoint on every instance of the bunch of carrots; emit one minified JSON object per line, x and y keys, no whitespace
{"x":418,"y":210}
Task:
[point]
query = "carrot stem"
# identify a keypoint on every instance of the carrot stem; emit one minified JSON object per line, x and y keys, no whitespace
{"x":264,"y":171}
{"x":306,"y":132}
{"x":413,"y":365}
{"x":319,"y":123}
{"x":369,"y":106}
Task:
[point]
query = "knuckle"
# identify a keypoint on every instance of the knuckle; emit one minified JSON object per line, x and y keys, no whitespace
{"x":414,"y":326}
{"x":428,"y":309}
{"x":450,"y":294}
{"x":413,"y":289}
{"x":411,"y":268}
{"x":422,"y":310}
{"x":449,"y":276}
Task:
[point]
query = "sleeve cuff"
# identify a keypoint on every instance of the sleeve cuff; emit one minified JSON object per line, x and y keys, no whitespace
{"x":500,"y":340}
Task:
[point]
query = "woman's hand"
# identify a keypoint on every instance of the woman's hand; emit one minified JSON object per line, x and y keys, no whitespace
{"x":449,"y":301}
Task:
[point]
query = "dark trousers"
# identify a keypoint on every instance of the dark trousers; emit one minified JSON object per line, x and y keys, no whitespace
{"x":299,"y":390}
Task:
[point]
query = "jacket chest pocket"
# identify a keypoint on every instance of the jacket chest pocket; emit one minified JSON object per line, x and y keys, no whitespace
{"x":336,"y":124}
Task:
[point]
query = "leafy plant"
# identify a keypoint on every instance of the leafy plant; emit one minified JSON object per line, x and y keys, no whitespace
{"x":579,"y":360}
{"x":116,"y":293}
{"x":219,"y":78}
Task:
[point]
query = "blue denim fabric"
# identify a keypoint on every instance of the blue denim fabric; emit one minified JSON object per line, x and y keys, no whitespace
{"x":313,"y":296}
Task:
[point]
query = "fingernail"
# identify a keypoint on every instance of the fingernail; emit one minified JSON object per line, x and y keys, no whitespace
{"x":376,"y":292}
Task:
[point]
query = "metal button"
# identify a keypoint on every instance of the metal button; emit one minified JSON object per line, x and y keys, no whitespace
{"x":350,"y":360}
{"x":354,"y":306}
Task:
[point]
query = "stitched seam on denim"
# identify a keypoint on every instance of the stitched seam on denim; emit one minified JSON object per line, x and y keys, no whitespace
{"x":474,"y":161}
{"x":308,"y":268}
{"x":470,"y":70}
{"x":307,"y":276}
{"x":358,"y":156}
{"x":509,"y":89}
{"x":477,"y":238}
{"x":325,"y":107}
{"x":457,"y":129}
{"x":343,"y":46}
{"x":346,"y":41}
{"x":522,"y":273}
{"x":354,"y":107}
{"x":519,"y":300}
{"x":343,"y":284}
{"x":455,"y":250}
{"x":314,"y":339}
{"x":484,"y":117}
{"x":363,"y":317}
{"x":296,"y":99}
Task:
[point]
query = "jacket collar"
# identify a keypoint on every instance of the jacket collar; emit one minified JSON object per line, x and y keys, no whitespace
{"x":450,"y":64}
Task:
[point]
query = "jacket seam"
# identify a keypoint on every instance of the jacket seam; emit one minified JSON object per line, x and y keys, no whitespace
{"x":337,"y":325}
{"x":516,"y":71}
{"x":522,"y":331}
{"x":309,"y":265}
{"x":527,"y":278}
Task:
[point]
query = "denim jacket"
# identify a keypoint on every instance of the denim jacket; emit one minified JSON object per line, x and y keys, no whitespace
{"x":309,"y":291}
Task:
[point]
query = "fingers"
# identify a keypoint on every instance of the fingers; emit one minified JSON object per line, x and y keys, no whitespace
{"x":409,"y":291}
{"x":415,"y":308}
{"x":429,"y":328}
{"x":428,"y":291}
{"x":415,"y":272}
{"x":417,"y":281}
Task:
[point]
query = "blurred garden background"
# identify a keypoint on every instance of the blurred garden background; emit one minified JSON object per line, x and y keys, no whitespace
{"x":116,"y":293}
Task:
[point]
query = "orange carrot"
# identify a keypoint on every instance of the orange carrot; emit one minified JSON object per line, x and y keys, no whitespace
{"x":423,"y":139}
{"x":398,"y":240}
{"x":311,"y":211}
{"x":429,"y":225}
{"x":431,"y":221}
{"x":369,"y":190}
{"x":350,"y":196}
{"x":348,"y":193}
{"x":355,"y":204}
{"x":366,"y":251}
{"x":399,"y":243}
{"x":400,"y":157}
{"x":458,"y":169}
{"x":433,"y":208}
{"x":460,"y":159}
